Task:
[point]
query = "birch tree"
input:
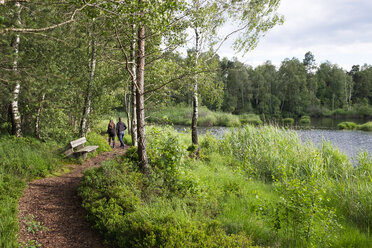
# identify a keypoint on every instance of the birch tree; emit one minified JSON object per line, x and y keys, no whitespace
{"x":251,"y":19}
{"x":16,"y":117}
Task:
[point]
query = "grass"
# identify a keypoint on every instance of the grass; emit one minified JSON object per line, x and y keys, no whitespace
{"x":22,"y":160}
{"x":259,"y":185}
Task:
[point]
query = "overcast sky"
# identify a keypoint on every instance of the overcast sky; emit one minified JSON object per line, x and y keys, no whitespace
{"x":339,"y":31}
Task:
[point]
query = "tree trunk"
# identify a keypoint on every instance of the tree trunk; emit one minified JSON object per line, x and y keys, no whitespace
{"x":142,"y":152}
{"x":16,"y":117}
{"x":195,"y":102}
{"x":127,"y":109}
{"x":84,"y":126}
{"x":133,"y":88}
{"x":37,"y":122}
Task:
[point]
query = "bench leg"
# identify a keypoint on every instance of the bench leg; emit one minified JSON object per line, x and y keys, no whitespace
{"x":85,"y":155}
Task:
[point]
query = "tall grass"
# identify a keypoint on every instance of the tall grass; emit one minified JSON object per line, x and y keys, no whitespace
{"x":261,"y":183}
{"x":22,"y":159}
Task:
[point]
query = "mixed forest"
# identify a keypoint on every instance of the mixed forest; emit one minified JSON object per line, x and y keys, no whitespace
{"x":67,"y":67}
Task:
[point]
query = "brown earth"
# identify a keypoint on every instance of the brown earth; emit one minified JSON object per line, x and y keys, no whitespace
{"x":54,"y":202}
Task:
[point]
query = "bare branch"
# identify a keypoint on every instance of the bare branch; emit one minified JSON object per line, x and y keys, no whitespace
{"x":126,"y":59}
{"x":36,"y":30}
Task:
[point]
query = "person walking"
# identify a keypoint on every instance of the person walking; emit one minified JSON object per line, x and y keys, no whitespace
{"x":111,"y":133}
{"x":120,"y":128}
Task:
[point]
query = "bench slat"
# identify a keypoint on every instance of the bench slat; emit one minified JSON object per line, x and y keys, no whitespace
{"x":78,"y":142}
{"x":87,"y":149}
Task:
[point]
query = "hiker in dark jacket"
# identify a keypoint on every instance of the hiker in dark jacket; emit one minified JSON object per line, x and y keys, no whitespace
{"x":120,"y":128}
{"x":111,"y":133}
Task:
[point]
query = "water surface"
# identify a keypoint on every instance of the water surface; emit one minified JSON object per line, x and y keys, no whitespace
{"x":348,"y":142}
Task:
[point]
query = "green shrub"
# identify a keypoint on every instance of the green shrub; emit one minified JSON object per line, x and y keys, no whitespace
{"x":207,"y":121}
{"x":365,"y":127}
{"x":116,"y":198}
{"x":165,"y":153}
{"x":228,"y":120}
{"x":288,"y":121}
{"x":250,"y":119}
{"x":98,"y":140}
{"x":305,"y":120}
{"x":346,"y":126}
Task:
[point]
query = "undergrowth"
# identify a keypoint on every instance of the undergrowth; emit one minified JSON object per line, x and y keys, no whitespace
{"x":256,"y":186}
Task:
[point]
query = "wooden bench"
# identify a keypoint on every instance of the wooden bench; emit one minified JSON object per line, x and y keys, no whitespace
{"x":76,"y":148}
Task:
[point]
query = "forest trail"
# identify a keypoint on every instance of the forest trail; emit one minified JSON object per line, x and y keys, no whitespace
{"x":54,"y":202}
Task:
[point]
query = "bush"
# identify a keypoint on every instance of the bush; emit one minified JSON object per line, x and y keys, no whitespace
{"x":288,"y":121}
{"x":207,"y":121}
{"x":228,"y":120}
{"x":252,"y":119}
{"x":305,"y":120}
{"x":98,"y":140}
{"x":365,"y":127}
{"x":115,"y":197}
{"x":346,"y":126}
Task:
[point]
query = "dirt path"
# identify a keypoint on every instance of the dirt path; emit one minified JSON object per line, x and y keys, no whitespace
{"x":55,"y":204}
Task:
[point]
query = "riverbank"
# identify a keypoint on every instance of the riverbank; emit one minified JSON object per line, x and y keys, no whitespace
{"x":259,"y":187}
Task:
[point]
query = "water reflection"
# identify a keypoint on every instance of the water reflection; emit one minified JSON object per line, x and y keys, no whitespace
{"x":349,"y":142}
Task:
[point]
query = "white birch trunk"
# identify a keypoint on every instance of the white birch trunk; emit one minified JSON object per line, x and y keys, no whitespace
{"x":37,"y":121}
{"x":133,"y":88}
{"x":84,"y":127}
{"x":195,"y":102}
{"x":16,"y":117}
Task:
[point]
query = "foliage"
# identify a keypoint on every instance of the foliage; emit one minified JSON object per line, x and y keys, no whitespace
{"x":250,"y":119}
{"x":347,"y":126}
{"x":288,"y":121}
{"x":261,"y":183}
{"x":305,"y":120}
{"x":365,"y":127}
{"x":96,"y":139}
{"x":118,"y":201}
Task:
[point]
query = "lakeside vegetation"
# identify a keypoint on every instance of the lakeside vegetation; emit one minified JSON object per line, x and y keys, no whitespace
{"x":254,"y":187}
{"x":352,"y":126}
{"x":181,"y":115}
{"x":23,"y":160}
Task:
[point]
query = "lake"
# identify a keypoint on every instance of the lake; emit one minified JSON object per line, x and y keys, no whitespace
{"x":348,"y":142}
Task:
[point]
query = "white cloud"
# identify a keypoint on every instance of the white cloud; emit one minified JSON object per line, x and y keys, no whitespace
{"x":339,"y":31}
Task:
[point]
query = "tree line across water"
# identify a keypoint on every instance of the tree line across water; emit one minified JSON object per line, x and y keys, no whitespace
{"x":294,"y":89}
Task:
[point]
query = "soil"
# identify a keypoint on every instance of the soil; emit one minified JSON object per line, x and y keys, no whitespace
{"x":54,"y":202}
